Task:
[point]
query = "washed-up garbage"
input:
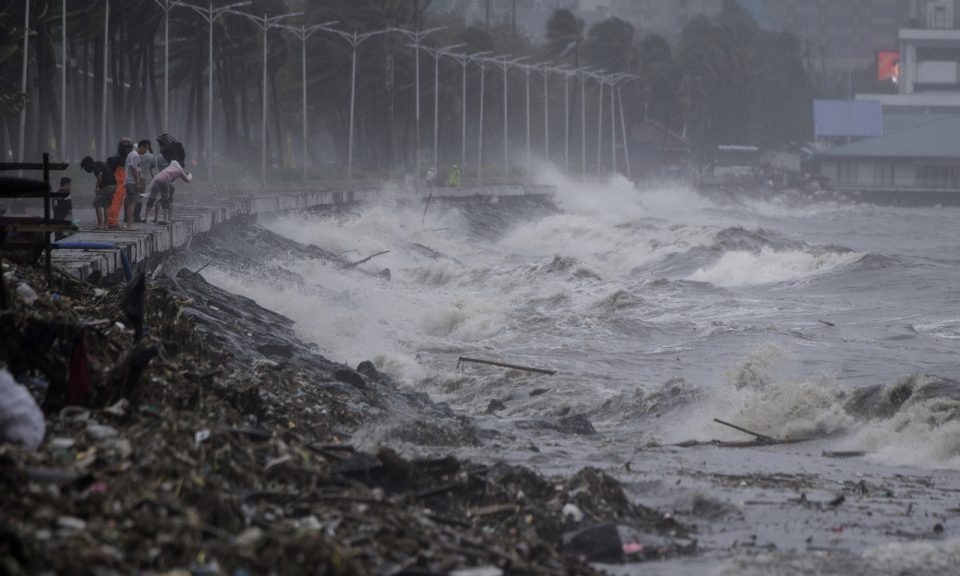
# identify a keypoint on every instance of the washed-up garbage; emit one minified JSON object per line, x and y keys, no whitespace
{"x":21,"y":421}
{"x":195,"y":464}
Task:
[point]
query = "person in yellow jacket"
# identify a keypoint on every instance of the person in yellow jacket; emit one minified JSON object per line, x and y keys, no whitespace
{"x":454,"y":177}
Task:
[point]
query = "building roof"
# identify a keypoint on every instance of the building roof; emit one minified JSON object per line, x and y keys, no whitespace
{"x":898,"y":120}
{"x":847,"y":118}
{"x":938,"y":139}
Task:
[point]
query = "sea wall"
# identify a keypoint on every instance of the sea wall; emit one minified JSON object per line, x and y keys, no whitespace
{"x":146,"y":241}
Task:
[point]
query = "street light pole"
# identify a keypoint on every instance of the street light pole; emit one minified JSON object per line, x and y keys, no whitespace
{"x":354,"y":40}
{"x":526,"y":71}
{"x":303,"y":33}
{"x":106,"y":63}
{"x":63,"y":80}
{"x":417,"y":37}
{"x":546,"y":111}
{"x":437,"y":53}
{"x":505,"y":65}
{"x":623,"y":130}
{"x":23,"y":77}
{"x":265,"y":23}
{"x":600,"y":127}
{"x":211,"y":15}
{"x":482,"y":62}
{"x":166,"y":6}
{"x":464,"y":60}
{"x":583,"y":125}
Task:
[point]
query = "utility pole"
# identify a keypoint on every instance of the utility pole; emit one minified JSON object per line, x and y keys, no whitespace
{"x":303,"y":33}
{"x":61,"y":144}
{"x":106,"y":64}
{"x":354,"y":40}
{"x":265,"y":24}
{"x":437,"y":53}
{"x":23,"y":77}
{"x":482,"y":62}
{"x":505,"y":65}
{"x":417,"y":37}
{"x":166,"y":6}
{"x":211,"y":15}
{"x":463,"y":60}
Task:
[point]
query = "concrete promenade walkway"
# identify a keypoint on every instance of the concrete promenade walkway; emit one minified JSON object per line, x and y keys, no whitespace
{"x":147,"y":240}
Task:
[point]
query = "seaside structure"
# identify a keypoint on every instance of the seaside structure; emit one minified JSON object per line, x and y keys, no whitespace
{"x":913,"y":144}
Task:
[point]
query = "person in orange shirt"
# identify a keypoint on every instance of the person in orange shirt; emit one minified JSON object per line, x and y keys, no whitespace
{"x":118,"y":165}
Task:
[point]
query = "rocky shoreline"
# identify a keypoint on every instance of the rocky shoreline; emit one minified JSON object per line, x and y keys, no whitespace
{"x":219,"y":443}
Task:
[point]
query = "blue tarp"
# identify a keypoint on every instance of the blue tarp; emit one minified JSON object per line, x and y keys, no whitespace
{"x":847,"y":118}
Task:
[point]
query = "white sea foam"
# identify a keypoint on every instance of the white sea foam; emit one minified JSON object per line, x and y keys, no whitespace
{"x":744,"y":268}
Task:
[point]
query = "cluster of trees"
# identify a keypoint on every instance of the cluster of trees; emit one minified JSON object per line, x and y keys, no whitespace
{"x":726,"y":81}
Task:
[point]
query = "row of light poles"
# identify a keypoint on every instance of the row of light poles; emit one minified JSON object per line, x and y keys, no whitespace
{"x":483,"y":59}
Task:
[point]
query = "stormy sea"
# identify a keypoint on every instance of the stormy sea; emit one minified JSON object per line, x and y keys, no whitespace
{"x":794,"y":317}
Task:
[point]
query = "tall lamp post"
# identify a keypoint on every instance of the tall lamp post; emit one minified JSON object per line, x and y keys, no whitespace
{"x":623,"y":129}
{"x":463,"y":60}
{"x":63,"y":81}
{"x":437,"y":53}
{"x":355,"y":40}
{"x":211,"y":15}
{"x":600,"y":80}
{"x":106,"y":64}
{"x":417,"y":36}
{"x":265,"y":23}
{"x":166,"y":6}
{"x":505,"y":65}
{"x":23,"y":76}
{"x":567,"y":75}
{"x":545,"y":71}
{"x":303,"y":33}
{"x":482,"y":63}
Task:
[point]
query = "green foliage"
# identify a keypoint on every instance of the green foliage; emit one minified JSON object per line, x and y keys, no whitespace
{"x":610,"y":46}
{"x":741,"y":84}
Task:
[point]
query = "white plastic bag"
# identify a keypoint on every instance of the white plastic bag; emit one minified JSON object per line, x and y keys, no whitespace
{"x":21,"y":421}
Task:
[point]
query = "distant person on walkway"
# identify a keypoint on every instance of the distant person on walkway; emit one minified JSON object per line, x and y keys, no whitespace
{"x":106,"y":187}
{"x":162,"y":188}
{"x":148,"y":167}
{"x":454,"y":178}
{"x":431,"y":177}
{"x":63,"y":207}
{"x":133,"y":183}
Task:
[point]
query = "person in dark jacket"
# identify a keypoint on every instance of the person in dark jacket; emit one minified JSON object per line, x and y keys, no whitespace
{"x":106,"y":186}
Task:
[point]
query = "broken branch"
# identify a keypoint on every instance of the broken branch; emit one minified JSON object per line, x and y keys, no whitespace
{"x":367,"y":259}
{"x":464,"y":359}
{"x":756,"y":435}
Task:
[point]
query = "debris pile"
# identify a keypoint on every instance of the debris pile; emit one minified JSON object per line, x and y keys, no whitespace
{"x":217,"y":443}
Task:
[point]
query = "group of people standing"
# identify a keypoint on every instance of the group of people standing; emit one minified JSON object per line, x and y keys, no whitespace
{"x":454,"y":177}
{"x":135,"y":174}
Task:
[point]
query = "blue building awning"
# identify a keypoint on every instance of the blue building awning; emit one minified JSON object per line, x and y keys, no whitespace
{"x":847,"y":119}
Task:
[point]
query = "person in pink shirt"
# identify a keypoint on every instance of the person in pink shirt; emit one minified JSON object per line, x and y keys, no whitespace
{"x":162,"y":188}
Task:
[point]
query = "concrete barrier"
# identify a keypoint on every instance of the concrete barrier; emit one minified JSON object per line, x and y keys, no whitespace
{"x":148,"y":240}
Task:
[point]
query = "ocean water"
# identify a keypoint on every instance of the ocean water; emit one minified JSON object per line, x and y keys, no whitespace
{"x":661,"y":309}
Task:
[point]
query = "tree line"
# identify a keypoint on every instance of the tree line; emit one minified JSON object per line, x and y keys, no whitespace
{"x":726,"y":81}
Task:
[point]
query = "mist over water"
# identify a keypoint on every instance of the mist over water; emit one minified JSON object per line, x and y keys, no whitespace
{"x":652,"y":303}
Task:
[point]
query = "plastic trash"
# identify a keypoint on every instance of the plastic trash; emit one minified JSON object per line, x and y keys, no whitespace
{"x":27,"y":294}
{"x":21,"y":421}
{"x":573,"y":512}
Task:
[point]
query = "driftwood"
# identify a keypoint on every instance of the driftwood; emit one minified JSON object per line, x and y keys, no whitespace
{"x":761,"y":439}
{"x":824,"y":322}
{"x":742,"y":444}
{"x":425,"y":208}
{"x":365,"y":260}
{"x":843,"y":454}
{"x":462,"y":360}
{"x":758,"y":436}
